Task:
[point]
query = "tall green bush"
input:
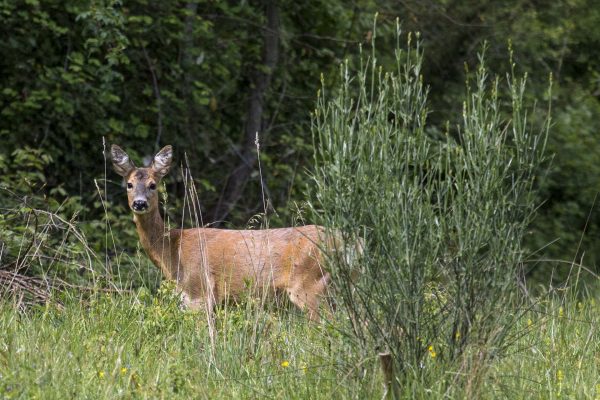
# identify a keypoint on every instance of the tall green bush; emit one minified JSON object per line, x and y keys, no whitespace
{"x":442,"y":218}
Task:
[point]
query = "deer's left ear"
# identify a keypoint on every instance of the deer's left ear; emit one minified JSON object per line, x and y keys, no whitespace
{"x":162,"y":161}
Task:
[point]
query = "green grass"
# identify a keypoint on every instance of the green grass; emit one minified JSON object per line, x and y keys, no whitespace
{"x":557,"y":357}
{"x":118,"y":346}
{"x":139,"y":346}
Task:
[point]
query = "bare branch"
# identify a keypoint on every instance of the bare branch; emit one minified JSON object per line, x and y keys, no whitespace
{"x":261,"y":79}
{"x":158,"y":99}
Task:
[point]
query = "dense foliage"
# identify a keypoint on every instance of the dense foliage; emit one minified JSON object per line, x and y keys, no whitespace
{"x":206,"y":76}
{"x":143,"y":74}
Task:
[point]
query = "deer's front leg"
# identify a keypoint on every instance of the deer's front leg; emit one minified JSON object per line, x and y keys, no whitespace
{"x":194,"y":297}
{"x":188,"y":303}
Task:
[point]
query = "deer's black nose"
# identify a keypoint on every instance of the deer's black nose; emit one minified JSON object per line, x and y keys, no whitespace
{"x":139,"y":205}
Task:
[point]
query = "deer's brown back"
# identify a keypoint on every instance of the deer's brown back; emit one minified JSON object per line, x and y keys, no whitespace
{"x":235,"y":260}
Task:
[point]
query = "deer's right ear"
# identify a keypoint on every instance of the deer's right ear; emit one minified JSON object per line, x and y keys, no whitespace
{"x":121,"y":161}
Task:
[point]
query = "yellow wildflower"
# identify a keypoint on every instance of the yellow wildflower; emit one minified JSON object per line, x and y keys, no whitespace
{"x":135,"y":381}
{"x":529,"y":322}
{"x":559,"y":375}
{"x":561,"y":312}
{"x":431,"y":351}
{"x":123,"y":371}
{"x":304,"y":368}
{"x":101,"y":374}
{"x":285,"y":364}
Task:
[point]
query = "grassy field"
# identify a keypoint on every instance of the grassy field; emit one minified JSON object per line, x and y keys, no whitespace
{"x":115,"y":346}
{"x":141,"y":346}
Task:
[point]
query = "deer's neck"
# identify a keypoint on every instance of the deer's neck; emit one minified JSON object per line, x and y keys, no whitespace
{"x":155,"y":240}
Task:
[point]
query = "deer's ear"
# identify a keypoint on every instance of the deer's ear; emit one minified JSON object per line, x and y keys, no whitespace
{"x":121,"y":161}
{"x":162,"y":161}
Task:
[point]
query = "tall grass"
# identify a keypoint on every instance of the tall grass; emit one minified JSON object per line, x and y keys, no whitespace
{"x":144,"y":347}
{"x":140,"y":346}
{"x":442,"y":219}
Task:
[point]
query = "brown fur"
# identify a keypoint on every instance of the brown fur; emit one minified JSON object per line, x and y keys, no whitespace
{"x":212,"y":265}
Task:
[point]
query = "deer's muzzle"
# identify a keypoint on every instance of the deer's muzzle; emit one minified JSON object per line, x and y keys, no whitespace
{"x":139,"y":205}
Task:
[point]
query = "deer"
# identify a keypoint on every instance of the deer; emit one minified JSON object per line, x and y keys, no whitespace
{"x":212,"y":265}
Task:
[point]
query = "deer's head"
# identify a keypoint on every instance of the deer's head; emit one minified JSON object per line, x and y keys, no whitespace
{"x":142,"y":183}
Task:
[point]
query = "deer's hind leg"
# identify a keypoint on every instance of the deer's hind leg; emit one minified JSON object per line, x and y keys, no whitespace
{"x":307,"y":294}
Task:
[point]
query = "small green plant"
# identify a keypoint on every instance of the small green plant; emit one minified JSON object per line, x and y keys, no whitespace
{"x":442,"y":216}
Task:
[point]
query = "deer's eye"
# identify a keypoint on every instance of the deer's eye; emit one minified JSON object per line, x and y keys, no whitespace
{"x":152,"y":186}
{"x":129,"y":185}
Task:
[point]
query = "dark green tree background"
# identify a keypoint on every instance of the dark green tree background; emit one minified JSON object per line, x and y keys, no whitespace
{"x":205,"y":76}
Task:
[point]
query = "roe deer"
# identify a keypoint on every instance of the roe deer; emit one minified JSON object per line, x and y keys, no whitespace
{"x":210,"y":265}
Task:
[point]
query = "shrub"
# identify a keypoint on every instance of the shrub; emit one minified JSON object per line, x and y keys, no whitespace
{"x":443,"y":217}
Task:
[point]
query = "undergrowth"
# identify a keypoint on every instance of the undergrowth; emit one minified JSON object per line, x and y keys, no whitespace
{"x":142,"y":346}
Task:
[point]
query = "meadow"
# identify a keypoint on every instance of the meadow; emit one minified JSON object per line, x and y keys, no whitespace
{"x":111,"y":346}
